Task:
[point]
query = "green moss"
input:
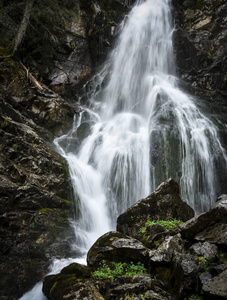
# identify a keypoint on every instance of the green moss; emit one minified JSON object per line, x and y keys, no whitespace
{"x":46,"y":209}
{"x":115,"y":270}
{"x":15,"y":147}
{"x":167,"y":224}
{"x":204,"y":263}
{"x":60,"y":287}
{"x":189,"y":13}
{"x":5,"y":123}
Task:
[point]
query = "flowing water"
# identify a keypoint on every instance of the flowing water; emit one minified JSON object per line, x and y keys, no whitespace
{"x":138,"y":129}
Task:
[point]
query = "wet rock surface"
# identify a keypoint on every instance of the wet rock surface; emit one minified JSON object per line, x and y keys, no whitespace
{"x":34,"y":188}
{"x":201,"y":54}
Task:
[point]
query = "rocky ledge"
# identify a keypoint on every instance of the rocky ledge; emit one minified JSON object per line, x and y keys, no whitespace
{"x":176,"y":255}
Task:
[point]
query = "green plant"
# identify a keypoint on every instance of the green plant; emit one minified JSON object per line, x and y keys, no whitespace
{"x":167,"y":224}
{"x":204,"y":263}
{"x":223,"y":257}
{"x":157,"y":243}
{"x":115,"y":270}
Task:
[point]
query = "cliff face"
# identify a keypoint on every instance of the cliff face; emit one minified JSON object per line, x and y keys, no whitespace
{"x":35,"y":193}
{"x":201,"y":49}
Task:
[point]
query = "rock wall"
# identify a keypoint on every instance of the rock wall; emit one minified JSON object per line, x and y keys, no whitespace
{"x":35,"y":192}
{"x":201,"y":49}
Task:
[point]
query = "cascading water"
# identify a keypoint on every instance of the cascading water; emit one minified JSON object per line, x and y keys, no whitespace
{"x":138,"y":130}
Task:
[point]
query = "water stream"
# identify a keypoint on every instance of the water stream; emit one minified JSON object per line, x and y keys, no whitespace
{"x":137,"y":129}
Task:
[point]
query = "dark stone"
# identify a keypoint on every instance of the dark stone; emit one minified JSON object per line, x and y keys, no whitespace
{"x":171,"y":246}
{"x":185,"y":269}
{"x":115,"y":246}
{"x":163,"y":204}
{"x":80,"y":271}
{"x":216,"y":288}
{"x":208,"y":222}
{"x":209,"y":251}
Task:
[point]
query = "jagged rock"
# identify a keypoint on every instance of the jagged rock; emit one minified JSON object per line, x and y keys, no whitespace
{"x":171,"y":246}
{"x":216,"y":288}
{"x":115,"y":246}
{"x":132,"y":285}
{"x":163,"y":204}
{"x":199,"y":46}
{"x":207,"y":222}
{"x":34,"y":191}
{"x":209,"y":251}
{"x":185,"y":268}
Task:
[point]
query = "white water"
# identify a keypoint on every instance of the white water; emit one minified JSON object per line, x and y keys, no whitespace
{"x":141,"y":129}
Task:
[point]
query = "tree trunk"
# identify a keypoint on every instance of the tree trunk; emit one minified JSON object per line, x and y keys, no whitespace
{"x":23,"y":26}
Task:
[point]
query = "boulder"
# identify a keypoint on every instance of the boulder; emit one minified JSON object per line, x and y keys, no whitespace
{"x":117,"y":247}
{"x":207,"y":250}
{"x":216,"y":288}
{"x":172,"y":246}
{"x":208,"y":222}
{"x":214,"y":234}
{"x":163,"y":204}
{"x":184,"y":277}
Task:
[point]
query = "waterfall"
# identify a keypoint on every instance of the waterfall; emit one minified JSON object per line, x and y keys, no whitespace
{"x":136,"y":129}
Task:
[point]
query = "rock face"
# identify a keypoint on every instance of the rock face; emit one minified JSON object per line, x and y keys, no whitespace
{"x":87,"y":43}
{"x":178,"y":266}
{"x":200,"y":43}
{"x":201,"y":56}
{"x":34,"y":188}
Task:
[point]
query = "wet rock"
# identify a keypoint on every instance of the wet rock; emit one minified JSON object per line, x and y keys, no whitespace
{"x":209,"y":251}
{"x":208,"y":222}
{"x":132,"y":285}
{"x":185,"y":270}
{"x":115,"y":246}
{"x":216,"y":287}
{"x":171,"y":246}
{"x":163,"y":204}
{"x":80,"y":271}
{"x":214,"y":234}
{"x":34,"y":189}
{"x":199,"y":46}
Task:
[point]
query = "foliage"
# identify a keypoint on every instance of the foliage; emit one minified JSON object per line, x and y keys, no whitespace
{"x":223,"y":257}
{"x":204,"y":263}
{"x":115,"y":270}
{"x":169,"y":224}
